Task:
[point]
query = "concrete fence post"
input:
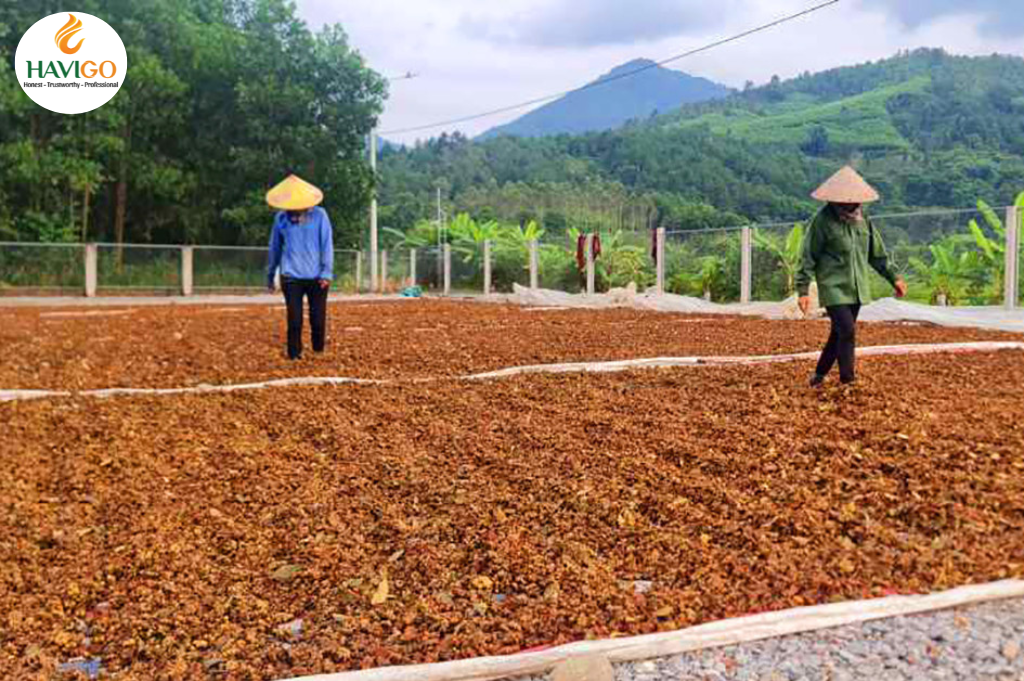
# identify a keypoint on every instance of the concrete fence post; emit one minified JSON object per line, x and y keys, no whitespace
{"x":534,"y":265}
{"x":447,"y":269}
{"x":91,"y":278}
{"x":382,"y":278}
{"x":359,"y":272}
{"x":487,"y":267}
{"x":412,"y":267}
{"x":746,"y":254}
{"x":1011,"y":282}
{"x":186,"y":270}
{"x":591,"y":273}
{"x":659,"y":265}
{"x":374,"y":252}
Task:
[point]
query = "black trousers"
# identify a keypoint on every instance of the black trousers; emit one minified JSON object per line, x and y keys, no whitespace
{"x":842,"y":342}
{"x":294,"y":291}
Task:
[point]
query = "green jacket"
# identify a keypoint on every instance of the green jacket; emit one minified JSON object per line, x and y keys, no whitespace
{"x":837,"y":254}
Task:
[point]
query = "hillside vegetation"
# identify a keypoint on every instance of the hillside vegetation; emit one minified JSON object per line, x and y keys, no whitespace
{"x":929,"y":129}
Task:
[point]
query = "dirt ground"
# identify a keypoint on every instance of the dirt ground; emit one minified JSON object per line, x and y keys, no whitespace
{"x":294,"y":531}
{"x":169,"y":347}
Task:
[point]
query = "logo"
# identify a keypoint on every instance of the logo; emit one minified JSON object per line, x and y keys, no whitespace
{"x":64,"y":36}
{"x":71,"y":63}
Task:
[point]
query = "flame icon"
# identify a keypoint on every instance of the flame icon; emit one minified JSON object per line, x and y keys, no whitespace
{"x":65,"y":35}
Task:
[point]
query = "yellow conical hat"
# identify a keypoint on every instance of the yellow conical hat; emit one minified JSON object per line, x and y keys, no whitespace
{"x":294,"y":193}
{"x":846,"y":186}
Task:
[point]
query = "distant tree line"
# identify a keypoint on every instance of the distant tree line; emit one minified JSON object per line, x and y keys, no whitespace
{"x":221,"y":99}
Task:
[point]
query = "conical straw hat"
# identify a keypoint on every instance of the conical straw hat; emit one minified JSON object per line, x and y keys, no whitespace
{"x":846,"y":186}
{"x":294,"y":193}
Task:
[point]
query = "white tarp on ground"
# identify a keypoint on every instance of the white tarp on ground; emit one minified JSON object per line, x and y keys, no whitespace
{"x":887,"y":310}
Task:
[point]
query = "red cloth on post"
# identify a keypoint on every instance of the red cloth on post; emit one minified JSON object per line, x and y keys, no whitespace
{"x":581,"y":250}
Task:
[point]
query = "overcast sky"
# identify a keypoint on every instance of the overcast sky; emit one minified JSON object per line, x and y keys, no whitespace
{"x":473,"y":56}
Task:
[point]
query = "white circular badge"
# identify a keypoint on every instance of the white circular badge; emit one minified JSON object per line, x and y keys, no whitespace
{"x":71,"y":62}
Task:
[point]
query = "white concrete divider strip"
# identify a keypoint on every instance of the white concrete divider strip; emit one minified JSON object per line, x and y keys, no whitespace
{"x":12,"y":395}
{"x":577,"y":367}
{"x":544,"y":309}
{"x":704,"y":636}
{"x":90,"y":313}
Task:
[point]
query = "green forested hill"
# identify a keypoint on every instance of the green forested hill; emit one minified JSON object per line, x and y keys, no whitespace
{"x":928,"y":128}
{"x":859,"y":123}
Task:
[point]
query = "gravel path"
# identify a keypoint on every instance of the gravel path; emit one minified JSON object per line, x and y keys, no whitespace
{"x":983,"y":643}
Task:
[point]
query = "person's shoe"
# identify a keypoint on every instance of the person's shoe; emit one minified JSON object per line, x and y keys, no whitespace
{"x":817,"y":380}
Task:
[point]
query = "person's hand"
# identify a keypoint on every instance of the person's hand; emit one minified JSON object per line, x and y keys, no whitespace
{"x":325,"y":283}
{"x":805,"y":304}
{"x":901,"y":288}
{"x":272,"y":287}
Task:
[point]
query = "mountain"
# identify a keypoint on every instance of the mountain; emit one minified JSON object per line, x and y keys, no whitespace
{"x":598,"y":107}
{"x":927,"y":128}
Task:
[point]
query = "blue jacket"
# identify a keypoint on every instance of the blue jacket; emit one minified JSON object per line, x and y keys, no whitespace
{"x":304,"y":250}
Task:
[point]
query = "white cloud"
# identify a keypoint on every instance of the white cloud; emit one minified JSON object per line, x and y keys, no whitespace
{"x":998,"y":17}
{"x":464,"y":73}
{"x":601,"y":22}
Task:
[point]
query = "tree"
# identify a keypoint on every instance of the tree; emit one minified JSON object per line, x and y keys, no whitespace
{"x":787,"y":252}
{"x":817,"y":143}
{"x":950,"y":273}
{"x":221,"y":99}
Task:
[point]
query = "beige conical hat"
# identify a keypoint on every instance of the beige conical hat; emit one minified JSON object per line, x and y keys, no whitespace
{"x":294,"y":193}
{"x":846,"y":186}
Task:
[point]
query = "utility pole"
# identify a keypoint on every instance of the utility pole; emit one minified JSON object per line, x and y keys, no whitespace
{"x":374,"y":254}
{"x":374,"y":263}
{"x":441,"y":226}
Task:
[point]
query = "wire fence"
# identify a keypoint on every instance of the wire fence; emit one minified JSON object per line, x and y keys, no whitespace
{"x":127,"y":268}
{"x":229,"y":269}
{"x":42,"y":269}
{"x":948,"y":257}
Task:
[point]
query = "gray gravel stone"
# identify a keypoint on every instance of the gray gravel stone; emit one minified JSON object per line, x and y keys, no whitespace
{"x":983,"y":643}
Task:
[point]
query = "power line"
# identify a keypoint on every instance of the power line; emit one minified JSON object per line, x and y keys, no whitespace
{"x":627,"y":74}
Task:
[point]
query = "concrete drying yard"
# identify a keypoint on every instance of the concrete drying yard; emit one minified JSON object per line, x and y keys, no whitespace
{"x":266,"y":534}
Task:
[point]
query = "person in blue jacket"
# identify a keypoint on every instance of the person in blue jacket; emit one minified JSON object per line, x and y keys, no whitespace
{"x":302,"y":247}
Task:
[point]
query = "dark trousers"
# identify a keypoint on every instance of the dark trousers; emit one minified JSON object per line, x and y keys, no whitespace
{"x":842,"y":342}
{"x":294,"y":291}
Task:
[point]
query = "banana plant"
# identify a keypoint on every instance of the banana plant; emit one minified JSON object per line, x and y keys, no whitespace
{"x":520,"y":236}
{"x":712,"y":270}
{"x":950,"y":274}
{"x":788,"y":252}
{"x":423,"y":235}
{"x":468,"y":236}
{"x":991,"y":252}
{"x":622,"y":263}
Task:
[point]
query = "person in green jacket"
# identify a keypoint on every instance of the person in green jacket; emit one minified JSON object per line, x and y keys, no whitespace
{"x":839,"y":248}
